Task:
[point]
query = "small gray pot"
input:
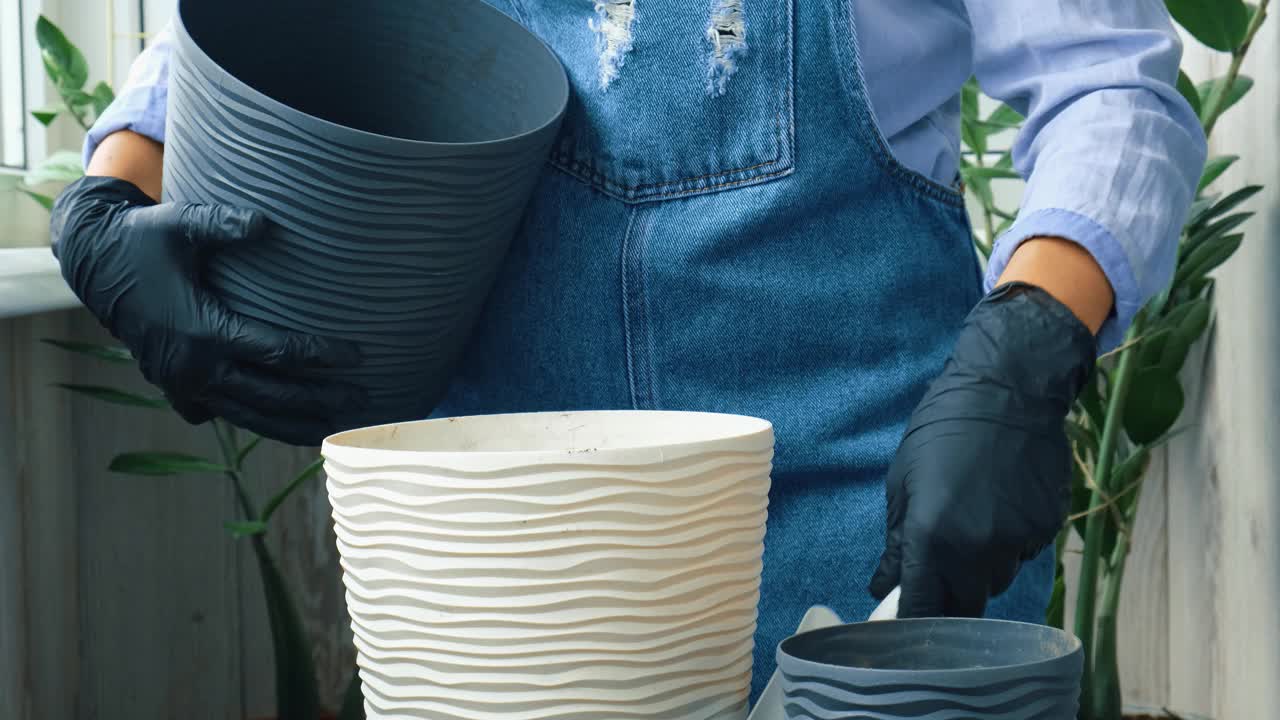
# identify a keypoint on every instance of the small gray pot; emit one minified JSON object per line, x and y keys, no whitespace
{"x":939,"y":668}
{"x":393,"y":145}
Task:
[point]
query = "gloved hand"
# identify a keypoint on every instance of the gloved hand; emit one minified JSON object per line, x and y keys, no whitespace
{"x":137,"y":266}
{"x":982,"y":479}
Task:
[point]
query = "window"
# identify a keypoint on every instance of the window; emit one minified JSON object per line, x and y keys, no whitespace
{"x":23,"y":88}
{"x":13,"y":95}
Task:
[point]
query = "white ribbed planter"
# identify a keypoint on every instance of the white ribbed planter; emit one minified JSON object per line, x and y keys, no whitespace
{"x":552,"y":565}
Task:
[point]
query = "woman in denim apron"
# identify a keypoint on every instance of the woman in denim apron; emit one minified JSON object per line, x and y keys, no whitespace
{"x":723,"y":227}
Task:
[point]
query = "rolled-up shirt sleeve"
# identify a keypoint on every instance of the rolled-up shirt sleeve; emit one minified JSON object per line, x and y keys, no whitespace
{"x":139,"y":105}
{"x":1110,"y":150}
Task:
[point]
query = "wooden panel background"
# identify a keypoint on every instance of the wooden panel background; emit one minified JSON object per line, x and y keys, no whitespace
{"x":122,"y":598}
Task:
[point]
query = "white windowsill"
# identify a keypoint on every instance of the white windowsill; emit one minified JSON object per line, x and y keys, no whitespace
{"x":31,"y":282}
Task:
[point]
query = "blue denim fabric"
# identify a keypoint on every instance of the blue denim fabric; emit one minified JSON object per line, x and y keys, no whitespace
{"x":1111,"y":150}
{"x":758,"y":252}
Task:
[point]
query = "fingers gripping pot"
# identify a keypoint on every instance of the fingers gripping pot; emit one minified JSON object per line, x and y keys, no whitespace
{"x":393,"y":147}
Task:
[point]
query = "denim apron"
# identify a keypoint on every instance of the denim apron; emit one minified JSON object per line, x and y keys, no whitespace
{"x":723,"y":228}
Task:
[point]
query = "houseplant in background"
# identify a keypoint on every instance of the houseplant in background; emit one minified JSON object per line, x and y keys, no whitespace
{"x":1135,"y":396}
{"x":297,"y":694}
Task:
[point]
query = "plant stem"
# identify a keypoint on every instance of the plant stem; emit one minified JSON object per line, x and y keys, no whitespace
{"x":1213,"y":105}
{"x":1086,"y":592}
{"x":84,"y":124}
{"x":297,"y":692}
{"x":1106,"y":665}
{"x":231,"y":458}
{"x":987,"y":220}
{"x":306,"y":474}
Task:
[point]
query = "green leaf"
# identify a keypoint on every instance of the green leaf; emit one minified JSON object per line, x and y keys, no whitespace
{"x":63,"y":61}
{"x":1220,"y":24}
{"x":307,"y":473}
{"x":973,"y":135}
{"x":969,"y":94}
{"x":1205,"y":258}
{"x":45,"y":201}
{"x":990,"y":173}
{"x":1198,"y":288}
{"x":353,"y":700}
{"x":110,"y":353}
{"x":1091,"y":401}
{"x":114,"y":396}
{"x":79,"y":100}
{"x":1128,"y":472}
{"x":1154,"y":403}
{"x":1214,"y":168}
{"x":1175,"y":317}
{"x":1151,"y":347}
{"x":1188,"y":329}
{"x":1004,"y":225}
{"x":245,"y":528}
{"x":45,"y":116}
{"x":1199,"y":209}
{"x":989,"y":128}
{"x":1238,"y":89}
{"x":1005,"y":116}
{"x":102,"y":96}
{"x":1005,"y":161}
{"x":1188,"y":90}
{"x":162,"y":463}
{"x":1228,"y":203}
{"x":981,"y":187}
{"x":61,"y":167}
{"x":1214,"y":231}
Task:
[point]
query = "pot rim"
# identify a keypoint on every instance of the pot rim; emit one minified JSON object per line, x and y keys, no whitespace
{"x":1074,"y":648}
{"x":193,"y":53}
{"x":743,"y":434}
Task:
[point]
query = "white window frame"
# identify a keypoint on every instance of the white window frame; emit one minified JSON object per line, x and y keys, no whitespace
{"x":32,"y":87}
{"x":112,"y":35}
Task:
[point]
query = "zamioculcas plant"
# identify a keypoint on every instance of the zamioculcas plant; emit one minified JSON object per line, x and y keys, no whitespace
{"x":1135,"y":396}
{"x":297,"y":695}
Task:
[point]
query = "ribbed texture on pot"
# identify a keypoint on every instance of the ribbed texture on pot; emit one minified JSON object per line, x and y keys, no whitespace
{"x":576,"y":584}
{"x":940,"y":669}
{"x":390,"y":241}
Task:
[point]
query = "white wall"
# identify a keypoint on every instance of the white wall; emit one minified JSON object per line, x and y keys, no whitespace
{"x":1238,"y":568}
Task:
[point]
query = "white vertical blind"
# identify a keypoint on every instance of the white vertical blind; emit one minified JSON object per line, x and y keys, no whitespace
{"x":157,"y":13}
{"x":12,"y":103}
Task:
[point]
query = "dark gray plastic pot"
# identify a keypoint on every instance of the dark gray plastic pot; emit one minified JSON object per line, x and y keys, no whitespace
{"x":394,"y":145}
{"x":942,"y":669}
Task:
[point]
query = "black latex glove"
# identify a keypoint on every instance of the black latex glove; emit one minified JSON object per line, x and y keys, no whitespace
{"x":137,"y":266}
{"x":982,"y":479}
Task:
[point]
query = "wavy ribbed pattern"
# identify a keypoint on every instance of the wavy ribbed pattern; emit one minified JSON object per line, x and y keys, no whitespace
{"x":554,"y":590}
{"x":968,"y":669}
{"x":390,"y":243}
{"x":1031,"y":699}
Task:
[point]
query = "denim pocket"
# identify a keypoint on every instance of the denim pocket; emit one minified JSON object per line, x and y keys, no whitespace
{"x":672,"y":98}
